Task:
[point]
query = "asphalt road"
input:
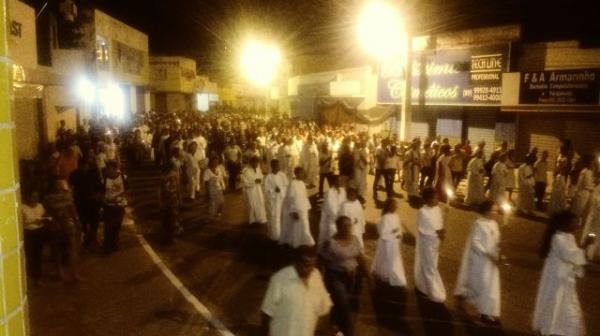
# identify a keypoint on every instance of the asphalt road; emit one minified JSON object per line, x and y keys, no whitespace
{"x":227,"y":265}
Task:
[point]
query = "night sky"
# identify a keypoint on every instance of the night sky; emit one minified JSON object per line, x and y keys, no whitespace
{"x":319,"y":34}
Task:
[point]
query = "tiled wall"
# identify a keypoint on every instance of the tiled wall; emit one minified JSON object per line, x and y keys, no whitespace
{"x":13,"y":298}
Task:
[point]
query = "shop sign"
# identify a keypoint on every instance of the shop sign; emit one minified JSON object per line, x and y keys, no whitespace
{"x":469,"y":76}
{"x":560,"y":87}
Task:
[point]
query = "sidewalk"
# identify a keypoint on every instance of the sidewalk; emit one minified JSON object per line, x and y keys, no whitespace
{"x":123,"y":294}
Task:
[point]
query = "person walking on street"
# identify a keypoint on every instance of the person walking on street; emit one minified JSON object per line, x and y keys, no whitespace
{"x":540,"y":176}
{"x":114,"y":206}
{"x":276,"y":184}
{"x":387,"y":265}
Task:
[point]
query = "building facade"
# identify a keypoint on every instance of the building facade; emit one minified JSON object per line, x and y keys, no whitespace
{"x":173,"y":83}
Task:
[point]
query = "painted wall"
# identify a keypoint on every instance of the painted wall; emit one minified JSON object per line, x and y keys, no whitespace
{"x":13,"y":290}
{"x":127,"y":50}
{"x":22,"y":36}
{"x":173,"y":74}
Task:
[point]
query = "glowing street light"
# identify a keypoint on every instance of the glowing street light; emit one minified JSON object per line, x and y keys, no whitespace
{"x":86,"y":90}
{"x":260,"y":62}
{"x":381,"y":30}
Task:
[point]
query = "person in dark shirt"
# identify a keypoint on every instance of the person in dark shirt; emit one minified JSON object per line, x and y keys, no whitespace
{"x":86,"y":183}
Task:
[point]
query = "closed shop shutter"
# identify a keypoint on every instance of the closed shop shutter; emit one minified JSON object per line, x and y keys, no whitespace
{"x":419,"y":129}
{"x":28,"y":128}
{"x":541,"y":132}
{"x":584,"y":134}
{"x":482,"y":127}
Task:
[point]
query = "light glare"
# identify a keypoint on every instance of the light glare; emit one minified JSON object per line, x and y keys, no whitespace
{"x":86,"y":90}
{"x":260,"y":62}
{"x":381,"y":30}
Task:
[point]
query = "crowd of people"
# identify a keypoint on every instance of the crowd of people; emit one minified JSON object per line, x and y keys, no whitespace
{"x":275,"y":162}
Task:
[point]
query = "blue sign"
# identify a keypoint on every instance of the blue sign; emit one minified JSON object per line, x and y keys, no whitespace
{"x":469,"y":76}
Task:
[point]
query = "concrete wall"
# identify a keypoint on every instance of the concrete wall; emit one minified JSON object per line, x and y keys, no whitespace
{"x":173,"y":74}
{"x":60,"y":103}
{"x":127,"y":50}
{"x":22,"y":35}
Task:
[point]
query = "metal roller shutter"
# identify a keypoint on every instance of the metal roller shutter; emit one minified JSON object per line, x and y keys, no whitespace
{"x":482,"y":127}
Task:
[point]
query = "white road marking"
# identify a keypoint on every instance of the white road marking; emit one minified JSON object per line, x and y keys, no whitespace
{"x":200,"y":308}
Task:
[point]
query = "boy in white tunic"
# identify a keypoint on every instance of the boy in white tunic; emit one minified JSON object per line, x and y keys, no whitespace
{"x":387,"y":264}
{"x":252,"y":178}
{"x":479,"y":277}
{"x":526,"y":197}
{"x":295,"y":299}
{"x":295,"y":228}
{"x":557,"y":308}
{"x":353,"y":209}
{"x":334,"y":199}
{"x":475,"y":188}
{"x":430,"y":233}
{"x":276,"y":184}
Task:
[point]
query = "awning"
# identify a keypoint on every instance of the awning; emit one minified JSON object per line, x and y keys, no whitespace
{"x":335,"y":111}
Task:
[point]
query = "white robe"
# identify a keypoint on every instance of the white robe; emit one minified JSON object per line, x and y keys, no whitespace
{"x":557,"y":308}
{"x":361,"y":158}
{"x":192,"y":174}
{"x":275,"y":201}
{"x":255,"y":200}
{"x":479,"y":277}
{"x":558,"y":196}
{"x":296,"y":232}
{"x":583,"y":192}
{"x":498,"y":185}
{"x":329,"y":213}
{"x":310,"y":162}
{"x":356,"y":213}
{"x":475,"y":189}
{"x":387,"y":264}
{"x":592,"y":224}
{"x":526,"y":199}
{"x":410,"y":172}
{"x":427,"y":276}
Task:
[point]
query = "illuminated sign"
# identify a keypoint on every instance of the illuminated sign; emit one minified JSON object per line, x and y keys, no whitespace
{"x":560,"y":87}
{"x":469,"y":76}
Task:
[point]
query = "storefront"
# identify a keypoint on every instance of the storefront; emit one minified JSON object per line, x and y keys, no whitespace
{"x":172,"y":83}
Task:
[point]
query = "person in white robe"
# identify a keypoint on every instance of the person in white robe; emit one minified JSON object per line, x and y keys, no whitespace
{"x":214,"y":178}
{"x":591,"y":223}
{"x":334,"y":198}
{"x":558,"y":196}
{"x":387,"y":264}
{"x":430,"y":233}
{"x":411,"y":169}
{"x":295,"y":299}
{"x":479,"y":276}
{"x":276,"y":184}
{"x":497,"y":192}
{"x":252,"y":178}
{"x":295,"y":228}
{"x":583,"y":188}
{"x":557,"y":308}
{"x":191,"y":169}
{"x":353,"y":209}
{"x":475,"y":193}
{"x":526,"y":197}
{"x":310,"y":161}
{"x":361,"y":162}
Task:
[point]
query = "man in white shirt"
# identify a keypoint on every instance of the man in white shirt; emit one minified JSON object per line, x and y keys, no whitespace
{"x":353,"y":209}
{"x":35,"y":234}
{"x":276,"y":184}
{"x":430,"y":233}
{"x":296,"y":298}
{"x":540,"y":175}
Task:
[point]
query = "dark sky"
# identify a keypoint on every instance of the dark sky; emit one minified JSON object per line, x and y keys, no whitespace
{"x":210,"y":30}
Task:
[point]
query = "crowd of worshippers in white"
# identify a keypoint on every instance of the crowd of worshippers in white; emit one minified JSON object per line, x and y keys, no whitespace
{"x":297,"y":295}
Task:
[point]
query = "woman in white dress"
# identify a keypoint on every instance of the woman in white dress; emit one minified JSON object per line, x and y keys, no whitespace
{"x":387,"y":264}
{"x":479,"y":277}
{"x":558,"y":196}
{"x":583,"y":188}
{"x":526,"y":199}
{"x":557,"y":307}
{"x":475,"y":188}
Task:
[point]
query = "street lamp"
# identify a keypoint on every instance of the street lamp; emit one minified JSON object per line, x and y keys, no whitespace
{"x":383,"y":34}
{"x":260,"y":62}
{"x":381,"y":30}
